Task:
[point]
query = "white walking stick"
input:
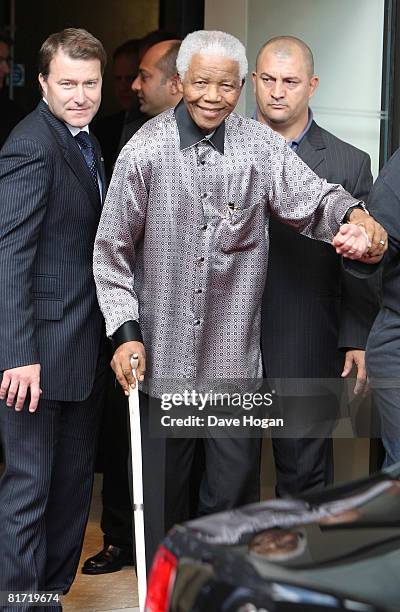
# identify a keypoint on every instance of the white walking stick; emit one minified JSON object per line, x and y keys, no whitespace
{"x":137,"y":480}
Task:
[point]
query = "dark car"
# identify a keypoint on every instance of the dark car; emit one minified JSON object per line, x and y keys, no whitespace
{"x":335,"y":550}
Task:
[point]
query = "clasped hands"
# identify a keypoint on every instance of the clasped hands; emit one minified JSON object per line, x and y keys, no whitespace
{"x":362,"y":238}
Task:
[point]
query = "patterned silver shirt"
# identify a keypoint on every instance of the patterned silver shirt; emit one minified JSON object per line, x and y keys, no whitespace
{"x":182,"y":243}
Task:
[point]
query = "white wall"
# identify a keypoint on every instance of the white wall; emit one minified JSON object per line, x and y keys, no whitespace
{"x":346,"y":37}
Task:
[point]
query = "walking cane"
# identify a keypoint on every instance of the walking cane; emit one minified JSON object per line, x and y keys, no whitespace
{"x":137,"y":480}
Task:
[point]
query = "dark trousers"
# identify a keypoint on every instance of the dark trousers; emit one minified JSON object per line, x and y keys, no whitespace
{"x":117,"y":514}
{"x":45,"y":490}
{"x":174,"y":476}
{"x":231,"y":476}
{"x":387,"y":401}
{"x":304,"y":459}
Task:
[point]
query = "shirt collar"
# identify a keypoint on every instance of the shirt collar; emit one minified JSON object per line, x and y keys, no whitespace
{"x":295,"y":142}
{"x":190,"y":134}
{"x":74,"y":130}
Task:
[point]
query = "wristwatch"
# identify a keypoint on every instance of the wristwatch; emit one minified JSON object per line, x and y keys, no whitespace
{"x":360,"y":205}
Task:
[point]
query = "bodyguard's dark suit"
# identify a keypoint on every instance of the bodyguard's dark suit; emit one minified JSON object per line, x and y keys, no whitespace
{"x":116,"y":518}
{"x":108,"y":131}
{"x":312,"y":311}
{"x":49,"y":211}
{"x":383,"y":348}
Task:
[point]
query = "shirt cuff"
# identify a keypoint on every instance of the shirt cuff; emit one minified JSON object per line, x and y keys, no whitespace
{"x":128,"y":332}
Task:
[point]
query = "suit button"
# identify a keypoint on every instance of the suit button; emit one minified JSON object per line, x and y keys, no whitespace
{"x":197,"y":321}
{"x":200,"y":260}
{"x":199,"y":291}
{"x":204,"y":227}
{"x":204,"y":195}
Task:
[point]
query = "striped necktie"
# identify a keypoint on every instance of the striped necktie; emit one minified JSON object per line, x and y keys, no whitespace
{"x":87,"y":150}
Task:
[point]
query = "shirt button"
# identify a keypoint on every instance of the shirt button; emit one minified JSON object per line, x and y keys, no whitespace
{"x":200,"y":259}
{"x":202,"y":162}
{"x":204,"y":195}
{"x":197,"y":321}
{"x":204,"y":227}
{"x":199,"y":291}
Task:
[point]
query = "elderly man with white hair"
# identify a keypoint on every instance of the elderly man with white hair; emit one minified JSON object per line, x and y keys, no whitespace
{"x":180,"y":262}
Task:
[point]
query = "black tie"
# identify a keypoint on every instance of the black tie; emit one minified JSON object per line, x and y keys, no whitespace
{"x":87,"y":149}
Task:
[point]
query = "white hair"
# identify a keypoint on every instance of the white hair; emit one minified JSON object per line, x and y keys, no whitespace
{"x":211,"y":42}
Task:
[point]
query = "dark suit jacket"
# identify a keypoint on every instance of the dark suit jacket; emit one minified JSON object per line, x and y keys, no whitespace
{"x":108,"y":130}
{"x":131,"y":128}
{"x":50,"y":210}
{"x":10,"y":114}
{"x":311,"y":307}
{"x":383,"y":349}
{"x":110,"y":133}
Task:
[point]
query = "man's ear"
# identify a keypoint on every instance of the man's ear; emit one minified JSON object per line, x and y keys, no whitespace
{"x":254,"y":79}
{"x":174,"y":85}
{"x":43,"y":84}
{"x":179,"y":85}
{"x":313,"y":85}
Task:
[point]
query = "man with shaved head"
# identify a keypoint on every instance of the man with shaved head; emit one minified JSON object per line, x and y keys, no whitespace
{"x":315,"y":318}
{"x":156,"y":84}
{"x":282,"y":103}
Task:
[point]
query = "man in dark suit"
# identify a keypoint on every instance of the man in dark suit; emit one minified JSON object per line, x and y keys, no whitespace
{"x":53,"y":360}
{"x":383,"y":348}
{"x":313,"y":324}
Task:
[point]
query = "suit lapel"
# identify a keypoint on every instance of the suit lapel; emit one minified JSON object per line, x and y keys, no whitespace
{"x":72,"y":155}
{"x":312,"y":147}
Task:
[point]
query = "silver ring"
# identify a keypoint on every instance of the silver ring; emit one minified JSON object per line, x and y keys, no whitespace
{"x":382,"y":242}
